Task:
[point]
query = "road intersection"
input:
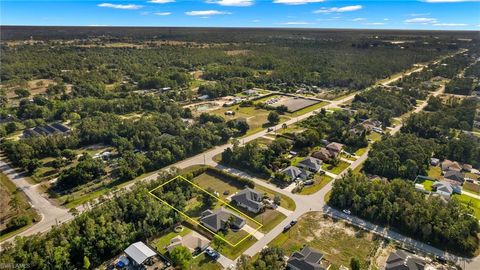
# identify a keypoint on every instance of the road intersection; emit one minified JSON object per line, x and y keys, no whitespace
{"x":52,"y":214}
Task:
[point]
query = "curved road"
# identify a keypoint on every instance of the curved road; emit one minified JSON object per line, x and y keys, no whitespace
{"x":304,"y":203}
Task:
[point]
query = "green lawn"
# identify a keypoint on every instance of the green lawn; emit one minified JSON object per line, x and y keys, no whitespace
{"x":361,"y":151}
{"x":338,"y":241}
{"x":374,"y":136}
{"x":233,"y":252}
{"x":162,"y":242}
{"x":471,"y":202}
{"x":342,"y":165}
{"x":427,"y":184}
{"x":202,"y":262}
{"x":320,"y":182}
{"x":269,"y":219}
{"x":285,"y":201}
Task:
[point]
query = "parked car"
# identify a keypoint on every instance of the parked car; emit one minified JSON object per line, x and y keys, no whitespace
{"x":270,"y":129}
{"x":286,"y":228}
{"x":308,"y":182}
{"x":293,"y":222}
{"x":346,"y":211}
{"x":212,"y":253}
{"x":441,"y":259}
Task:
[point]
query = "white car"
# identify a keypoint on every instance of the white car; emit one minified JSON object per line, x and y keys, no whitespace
{"x":346,"y":211}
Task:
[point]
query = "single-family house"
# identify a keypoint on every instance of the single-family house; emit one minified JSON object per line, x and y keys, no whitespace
{"x":467,"y":167}
{"x":307,"y":259}
{"x":249,"y":199}
{"x":335,"y":147}
{"x":310,"y":163}
{"x":402,"y":260}
{"x":139,"y":252}
{"x":295,"y":173}
{"x":216,"y":220}
{"x":323,"y":154}
{"x":193,"y":241}
{"x":443,"y":188}
{"x":448,"y":165}
{"x":454,"y":176}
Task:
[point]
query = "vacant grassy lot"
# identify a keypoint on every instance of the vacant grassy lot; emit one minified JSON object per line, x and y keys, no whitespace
{"x":320,"y":182}
{"x":338,"y":241}
{"x":233,"y":252}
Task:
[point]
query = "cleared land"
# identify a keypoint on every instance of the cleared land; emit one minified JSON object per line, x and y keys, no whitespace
{"x":338,"y":241}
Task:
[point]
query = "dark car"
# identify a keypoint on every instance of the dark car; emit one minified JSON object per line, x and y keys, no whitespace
{"x":293,"y":222}
{"x":286,"y":228}
{"x":212,"y":253}
{"x":441,"y":259}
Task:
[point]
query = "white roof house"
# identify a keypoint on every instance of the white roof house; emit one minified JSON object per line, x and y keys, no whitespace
{"x":139,"y":252}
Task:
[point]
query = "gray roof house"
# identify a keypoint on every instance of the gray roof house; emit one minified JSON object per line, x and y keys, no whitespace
{"x":249,"y":199}
{"x":311,"y":164}
{"x":402,"y":260}
{"x":306,"y":259}
{"x":217,"y":219}
{"x":454,"y":176}
{"x":443,"y":188}
{"x":295,"y":173}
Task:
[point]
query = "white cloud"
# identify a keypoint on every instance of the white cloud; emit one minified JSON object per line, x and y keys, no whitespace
{"x":161,"y":1}
{"x":374,"y":23}
{"x":296,"y":2}
{"x":421,"y":20}
{"x":296,"y":23}
{"x":256,"y":21}
{"x":119,"y":6}
{"x":231,"y":3}
{"x":450,"y":24}
{"x":162,"y":13}
{"x":206,"y":12}
{"x":339,"y":9}
{"x":386,"y":19}
{"x":449,"y":1}
{"x":358,"y":19}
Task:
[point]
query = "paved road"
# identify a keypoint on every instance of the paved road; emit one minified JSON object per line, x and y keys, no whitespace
{"x":50,"y":213}
{"x":304,"y":203}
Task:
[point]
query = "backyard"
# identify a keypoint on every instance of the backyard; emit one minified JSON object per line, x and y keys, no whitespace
{"x":320,"y":182}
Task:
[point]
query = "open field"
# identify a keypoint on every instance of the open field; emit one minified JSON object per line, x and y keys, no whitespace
{"x":435,"y":172}
{"x":471,"y":202}
{"x":338,"y":241}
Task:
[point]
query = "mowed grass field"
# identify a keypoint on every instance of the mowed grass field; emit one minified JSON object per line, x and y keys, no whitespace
{"x":256,"y":118}
{"x":338,"y":241}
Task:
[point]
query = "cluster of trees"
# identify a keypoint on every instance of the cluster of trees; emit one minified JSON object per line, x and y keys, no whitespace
{"x":460,"y":86}
{"x":336,"y":127}
{"x":444,"y":123}
{"x":227,"y":87}
{"x":94,"y":236}
{"x":397,"y":204}
{"x":399,"y":156}
{"x":383,"y":104}
{"x":257,"y":157}
{"x":85,"y":171}
{"x":162,"y":139}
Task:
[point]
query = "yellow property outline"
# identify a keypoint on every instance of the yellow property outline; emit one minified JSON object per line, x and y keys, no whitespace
{"x":198,"y":223}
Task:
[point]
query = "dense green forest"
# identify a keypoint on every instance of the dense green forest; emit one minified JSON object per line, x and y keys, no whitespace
{"x":398,"y":204}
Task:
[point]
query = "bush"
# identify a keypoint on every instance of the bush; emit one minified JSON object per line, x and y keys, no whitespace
{"x":17,"y":222}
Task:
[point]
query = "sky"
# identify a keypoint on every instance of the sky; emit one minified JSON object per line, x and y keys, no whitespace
{"x":371,"y":14}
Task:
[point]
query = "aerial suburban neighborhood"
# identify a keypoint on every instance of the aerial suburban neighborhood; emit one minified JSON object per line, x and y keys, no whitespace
{"x":258,"y":145}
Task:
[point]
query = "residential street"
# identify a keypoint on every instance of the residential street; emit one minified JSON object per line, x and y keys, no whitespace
{"x":52,"y":214}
